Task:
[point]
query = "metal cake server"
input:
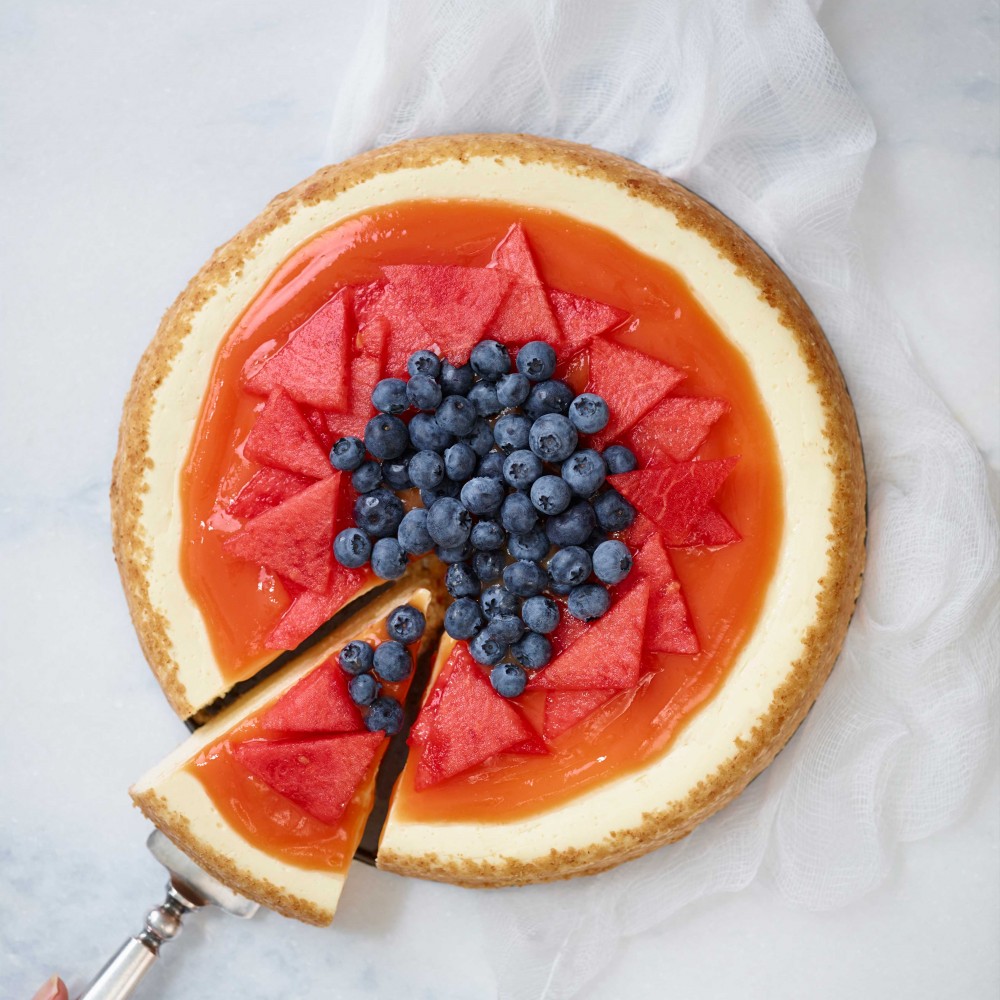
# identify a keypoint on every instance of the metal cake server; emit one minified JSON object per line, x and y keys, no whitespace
{"x":188,"y":889}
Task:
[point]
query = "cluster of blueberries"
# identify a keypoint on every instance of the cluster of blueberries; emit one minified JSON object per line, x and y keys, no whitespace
{"x":389,"y":661}
{"x":512,"y":501}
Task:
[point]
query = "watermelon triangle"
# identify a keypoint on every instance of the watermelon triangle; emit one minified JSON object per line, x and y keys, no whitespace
{"x":608,"y":656}
{"x":668,"y":623}
{"x":313,"y":364}
{"x":366,"y":370}
{"x":319,"y":703}
{"x":582,"y":319}
{"x":282,"y":437}
{"x":524,"y":315}
{"x":564,"y":709}
{"x":676,"y":428}
{"x":295,"y":539}
{"x":265,"y":489}
{"x":711,"y":528}
{"x":320,"y":776}
{"x":513,"y":255}
{"x":631,"y":382}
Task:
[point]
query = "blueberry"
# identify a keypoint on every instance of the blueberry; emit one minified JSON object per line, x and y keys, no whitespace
{"x":426,"y":434}
{"x":614,"y":512}
{"x":347,"y":454}
{"x":386,"y":436}
{"x":378,"y":513}
{"x":570,"y":567}
{"x":482,"y":495}
{"x":388,"y":559}
{"x":464,"y":618}
{"x":551,"y":494}
{"x":533,"y":545}
{"x":490,"y":360}
{"x":423,"y":393}
{"x":424,"y":363}
{"x":612,"y":562}
{"x":456,"y":415}
{"x":396,"y":472}
{"x":511,"y":432}
{"x":498,"y":600}
{"x":367,"y":477}
{"x":460,"y":461}
{"x":508,"y":679}
{"x":385,"y":714}
{"x":589,"y":413}
{"x":487,"y":649}
{"x":356,"y":658}
{"x":584,"y":472}
{"x":426,"y":469}
{"x":588,"y":601}
{"x":483,"y":397}
{"x":405,"y":624}
{"x":618,"y":458}
{"x":412,"y":534}
{"x":506,"y":628}
{"x":522,"y":468}
{"x":540,"y":614}
{"x":456,"y":381}
{"x":594,"y":539}
{"x":352,"y":548}
{"x":572,"y":526}
{"x":446,"y":488}
{"x":525,"y":578}
{"x":389,"y":396}
{"x":513,"y":390}
{"x":491,"y":465}
{"x":449,"y":523}
{"x":488,"y":536}
{"x":451,"y":554}
{"x":363,"y":689}
{"x":488,"y":565}
{"x":532,"y":651}
{"x":536,"y":360}
{"x":461,"y":581}
{"x":517,"y":514}
{"x":393,"y":661}
{"x":481,"y":438}
{"x":552,"y":438}
{"x":553,"y":396}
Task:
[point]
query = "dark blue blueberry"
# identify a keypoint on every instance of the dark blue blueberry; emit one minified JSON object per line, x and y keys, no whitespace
{"x":447,"y":488}
{"x":490,"y":360}
{"x":426,"y":469}
{"x":533,"y":545}
{"x":396,"y":472}
{"x":385,"y":715}
{"x":614,"y":512}
{"x":511,"y":432}
{"x":588,"y":601}
{"x":573,"y":526}
{"x":393,"y":661}
{"x":612,"y":561}
{"x":589,"y":413}
{"x":449,"y":523}
{"x":512,"y":390}
{"x":537,"y":361}
{"x":386,"y":436}
{"x":405,"y":624}
{"x":584,"y":472}
{"x":525,"y":578}
{"x":487,"y":649}
{"x":488,"y":565}
{"x":423,"y":363}
{"x":491,"y":465}
{"x":570,"y":566}
{"x":498,"y":600}
{"x":456,"y":381}
{"x":518,"y":514}
{"x":367,"y":477}
{"x":594,"y":539}
{"x":352,"y":548}
{"x":483,"y":397}
{"x":412,"y":534}
{"x":450,"y":554}
{"x":388,"y":559}
{"x":456,"y":415}
{"x":363,"y":689}
{"x":552,"y":438}
{"x":521,"y":468}
{"x":347,"y":454}
{"x":618,"y":458}
{"x":488,"y":536}
{"x":460,"y":461}
{"x":482,"y":495}
{"x":464,"y":618}
{"x":356,"y":658}
{"x":532,"y":651}
{"x":551,"y":494}
{"x":559,"y":588}
{"x":540,"y":614}
{"x":506,"y":628}
{"x":481,"y":438}
{"x":553,"y":396}
{"x":508,"y":679}
{"x":423,"y":393}
{"x":426,"y":434}
{"x":462,"y":581}
{"x":378,"y":513}
{"x":389,"y":396}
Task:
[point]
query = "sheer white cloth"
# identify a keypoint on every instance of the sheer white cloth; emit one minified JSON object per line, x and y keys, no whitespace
{"x":745,"y":103}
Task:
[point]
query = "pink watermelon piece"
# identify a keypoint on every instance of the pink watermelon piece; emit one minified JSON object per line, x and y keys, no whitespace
{"x":564,"y":709}
{"x":674,"y":497}
{"x":366,"y":300}
{"x":711,"y":528}
{"x":469,"y":724}
{"x":524,"y":315}
{"x":668,"y":622}
{"x":320,"y":776}
{"x":311,"y":609}
{"x":265,"y":489}
{"x":282,"y":437}
{"x":295,"y":539}
{"x":316,"y":420}
{"x":513,"y":255}
{"x":312,"y":366}
{"x":607,"y":656}
{"x":582,"y":319}
{"x":319,"y":703}
{"x":366,"y":370}
{"x":676,"y":428}
{"x":631,"y":382}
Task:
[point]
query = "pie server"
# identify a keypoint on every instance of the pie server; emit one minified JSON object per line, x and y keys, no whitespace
{"x":188,"y":889}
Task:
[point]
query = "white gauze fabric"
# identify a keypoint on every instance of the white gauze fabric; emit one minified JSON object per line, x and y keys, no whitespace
{"x":745,"y":103}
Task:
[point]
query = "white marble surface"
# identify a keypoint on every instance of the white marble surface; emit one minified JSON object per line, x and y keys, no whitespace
{"x":134,"y":137}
